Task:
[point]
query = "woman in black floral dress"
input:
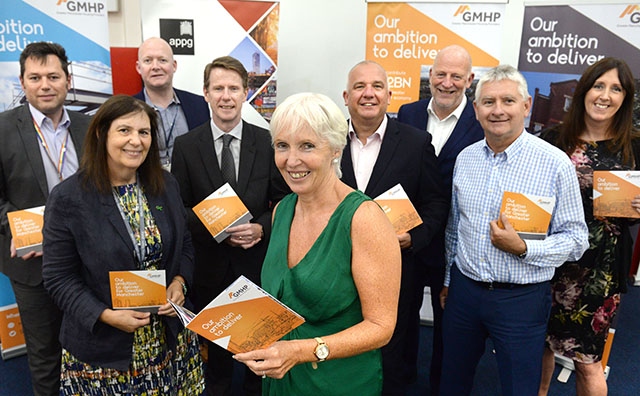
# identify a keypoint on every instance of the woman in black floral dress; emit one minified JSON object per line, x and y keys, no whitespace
{"x":597,"y":134}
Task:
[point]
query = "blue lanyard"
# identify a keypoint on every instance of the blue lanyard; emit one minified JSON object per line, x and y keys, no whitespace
{"x":168,"y":136}
{"x":139,"y":249}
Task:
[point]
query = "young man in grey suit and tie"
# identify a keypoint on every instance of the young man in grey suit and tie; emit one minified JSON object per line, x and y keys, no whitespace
{"x":40,"y":145}
{"x":450,"y":119}
{"x":200,"y":165}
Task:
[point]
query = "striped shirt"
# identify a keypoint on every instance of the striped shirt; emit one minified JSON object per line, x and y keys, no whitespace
{"x":529,"y":166}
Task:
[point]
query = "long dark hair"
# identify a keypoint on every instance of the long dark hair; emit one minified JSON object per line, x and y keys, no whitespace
{"x":94,"y":169}
{"x":622,"y":126}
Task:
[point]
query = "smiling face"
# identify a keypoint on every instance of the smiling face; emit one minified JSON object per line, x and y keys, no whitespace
{"x":304,"y":160}
{"x":45,"y":85}
{"x":155,"y":64}
{"x":128,"y":142}
{"x":501,"y":110}
{"x":449,"y":78}
{"x":225,"y":95}
{"x":367,"y":95}
{"x":604,"y":98}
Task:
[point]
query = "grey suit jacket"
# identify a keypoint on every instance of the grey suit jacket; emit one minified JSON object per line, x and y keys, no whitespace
{"x":23,"y":183}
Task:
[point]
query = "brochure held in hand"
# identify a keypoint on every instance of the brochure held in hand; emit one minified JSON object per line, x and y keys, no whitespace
{"x":242,"y":318}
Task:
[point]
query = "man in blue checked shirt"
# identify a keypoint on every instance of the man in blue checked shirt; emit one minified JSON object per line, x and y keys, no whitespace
{"x":497,"y":284}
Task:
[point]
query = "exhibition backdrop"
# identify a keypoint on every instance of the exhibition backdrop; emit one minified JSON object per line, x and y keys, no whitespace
{"x":405,"y":38}
{"x":560,"y":42}
{"x":200,"y":31}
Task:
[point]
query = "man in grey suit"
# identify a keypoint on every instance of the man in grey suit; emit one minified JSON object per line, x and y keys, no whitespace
{"x":451,"y":121}
{"x":199,"y":163}
{"x":379,"y":154}
{"x":40,"y":144}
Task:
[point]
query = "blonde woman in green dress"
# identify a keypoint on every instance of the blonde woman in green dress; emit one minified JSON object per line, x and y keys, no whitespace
{"x":333,"y":257}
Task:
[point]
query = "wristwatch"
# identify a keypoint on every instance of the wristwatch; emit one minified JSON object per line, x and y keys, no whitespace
{"x":321,"y":351}
{"x":522,"y":255}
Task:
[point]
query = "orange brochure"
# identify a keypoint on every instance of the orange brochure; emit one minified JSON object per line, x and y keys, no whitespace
{"x":242,"y":318}
{"x":613,"y":192}
{"x":138,"y":290}
{"x":221,"y":210}
{"x":529,"y":215}
{"x":11,"y":334}
{"x":399,"y":209}
{"x":26,"y":229}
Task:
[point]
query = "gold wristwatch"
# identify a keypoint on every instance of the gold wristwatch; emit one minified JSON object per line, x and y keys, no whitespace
{"x":321,"y":351}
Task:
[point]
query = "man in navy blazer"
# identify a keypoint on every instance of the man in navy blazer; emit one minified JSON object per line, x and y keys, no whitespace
{"x":40,"y":144}
{"x":381,"y":153}
{"x":197,"y":160}
{"x":451,"y":121}
{"x":178,"y":111}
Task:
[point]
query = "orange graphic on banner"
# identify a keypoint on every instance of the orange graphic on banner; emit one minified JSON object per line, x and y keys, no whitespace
{"x":613,"y":192}
{"x":403,"y":39}
{"x":529,"y":215}
{"x":140,"y":290}
{"x":26,"y":229}
{"x":399,"y":209}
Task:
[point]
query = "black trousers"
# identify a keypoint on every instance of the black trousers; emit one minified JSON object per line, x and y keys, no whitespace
{"x":41,"y":320}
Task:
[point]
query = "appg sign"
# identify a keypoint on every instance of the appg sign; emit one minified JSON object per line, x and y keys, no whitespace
{"x":179,"y":34}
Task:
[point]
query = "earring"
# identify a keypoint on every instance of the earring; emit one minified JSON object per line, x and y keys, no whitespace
{"x":335,"y":160}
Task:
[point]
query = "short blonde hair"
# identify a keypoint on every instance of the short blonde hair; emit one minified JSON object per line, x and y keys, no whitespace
{"x":319,"y":113}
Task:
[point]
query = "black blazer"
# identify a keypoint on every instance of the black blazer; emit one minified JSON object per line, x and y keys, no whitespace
{"x":85,"y":238}
{"x":406,"y":157}
{"x":23,"y":182}
{"x":195,"y":108}
{"x":467,"y":131}
{"x":259,"y":186}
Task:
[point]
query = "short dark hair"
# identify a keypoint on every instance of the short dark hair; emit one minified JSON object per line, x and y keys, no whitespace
{"x":40,"y":50}
{"x":229,"y":63}
{"x":94,"y":169}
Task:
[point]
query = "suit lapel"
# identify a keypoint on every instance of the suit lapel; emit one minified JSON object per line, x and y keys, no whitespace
{"x":32,"y":148}
{"x":247,"y":157}
{"x":77,"y":132}
{"x":209,"y":159}
{"x":348,"y":175}
{"x":387,"y":150}
{"x":111,"y":212}
{"x":459,"y":136}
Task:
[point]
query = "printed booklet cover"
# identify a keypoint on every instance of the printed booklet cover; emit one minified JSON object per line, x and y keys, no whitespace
{"x":399,"y":209}
{"x":221,"y":210}
{"x":613,"y":192}
{"x":242,"y":318}
{"x":529,"y":215}
{"x":139,"y":290}
{"x":26,"y":229}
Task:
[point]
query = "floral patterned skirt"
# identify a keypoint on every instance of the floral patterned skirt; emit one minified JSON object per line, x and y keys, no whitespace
{"x":154,"y":369}
{"x":582,"y":310}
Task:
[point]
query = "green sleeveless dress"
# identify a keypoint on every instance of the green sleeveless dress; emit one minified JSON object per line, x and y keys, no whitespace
{"x":321,"y":289}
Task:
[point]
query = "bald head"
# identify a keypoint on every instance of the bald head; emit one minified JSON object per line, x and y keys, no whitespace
{"x":155,"y":64}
